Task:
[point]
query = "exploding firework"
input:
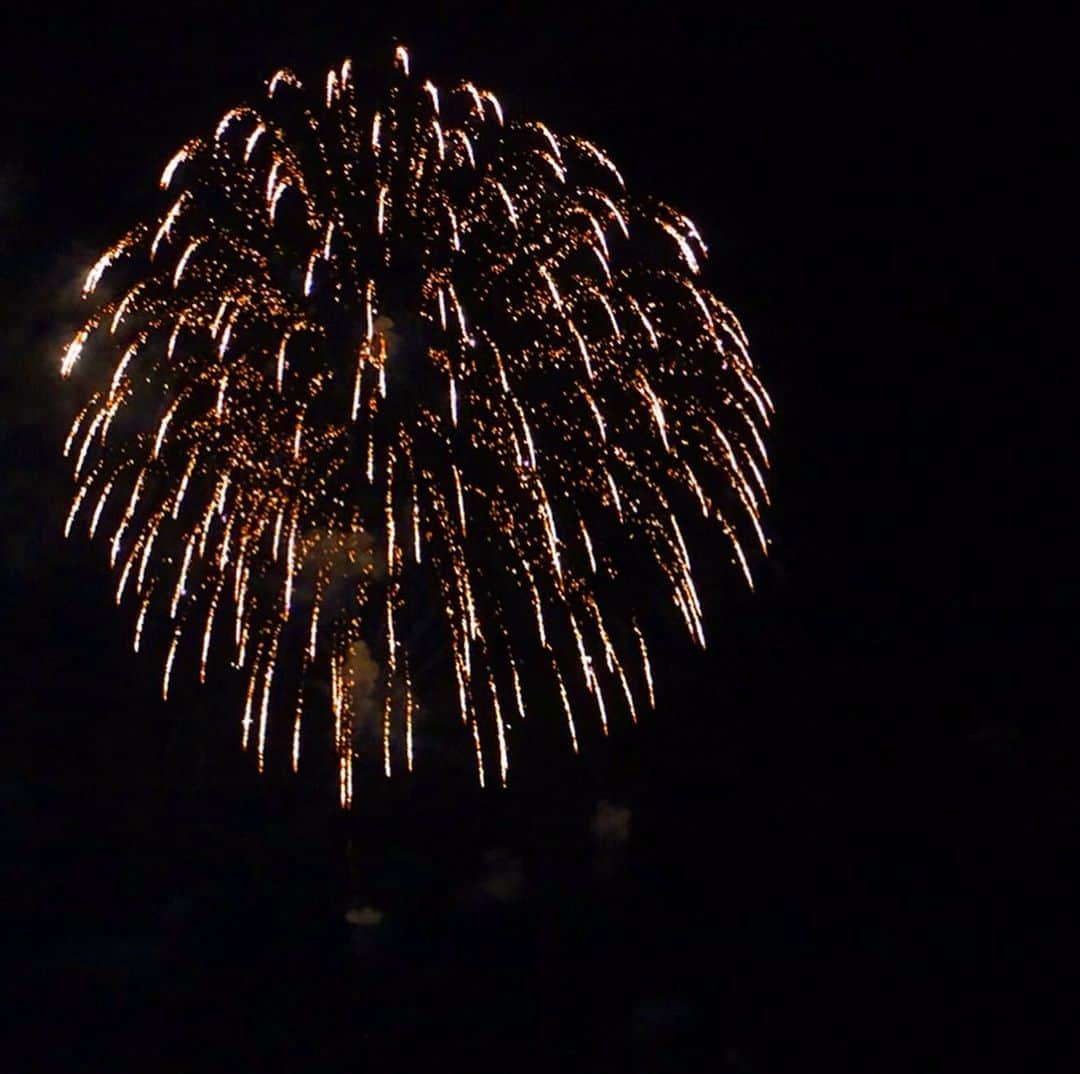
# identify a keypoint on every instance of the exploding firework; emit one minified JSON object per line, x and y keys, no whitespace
{"x":386,"y":349}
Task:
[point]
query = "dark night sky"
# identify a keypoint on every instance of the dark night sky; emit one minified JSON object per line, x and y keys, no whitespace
{"x":841,"y":821}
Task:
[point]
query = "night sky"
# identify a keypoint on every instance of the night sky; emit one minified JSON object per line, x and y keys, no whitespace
{"x":845,"y":831}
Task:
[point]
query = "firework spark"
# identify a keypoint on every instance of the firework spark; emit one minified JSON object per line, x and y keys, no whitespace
{"x":385,"y":343}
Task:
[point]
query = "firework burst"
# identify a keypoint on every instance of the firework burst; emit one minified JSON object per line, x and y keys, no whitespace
{"x":386,"y":346}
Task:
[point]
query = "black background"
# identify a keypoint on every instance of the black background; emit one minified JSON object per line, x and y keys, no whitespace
{"x":850,"y":822}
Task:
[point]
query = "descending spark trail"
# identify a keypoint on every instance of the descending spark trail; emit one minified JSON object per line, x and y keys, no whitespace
{"x":389,"y":346}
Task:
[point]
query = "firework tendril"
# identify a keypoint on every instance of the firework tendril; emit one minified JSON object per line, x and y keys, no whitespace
{"x":386,"y":348}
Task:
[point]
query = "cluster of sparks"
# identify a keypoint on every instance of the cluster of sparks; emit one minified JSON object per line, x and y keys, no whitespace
{"x":372,"y":357}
